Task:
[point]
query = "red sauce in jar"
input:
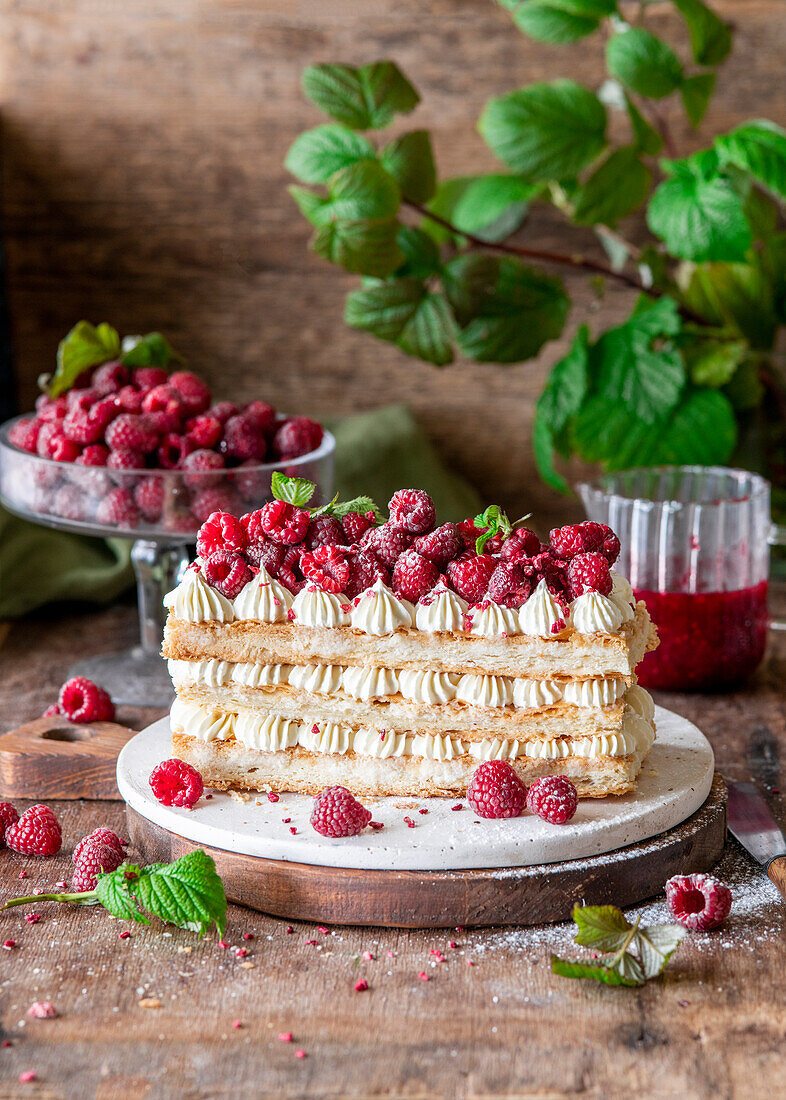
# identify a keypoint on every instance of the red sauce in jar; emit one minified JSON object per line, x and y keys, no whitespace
{"x":707,"y":639}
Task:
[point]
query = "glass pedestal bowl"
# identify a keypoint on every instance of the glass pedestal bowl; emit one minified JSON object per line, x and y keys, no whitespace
{"x":161,"y":512}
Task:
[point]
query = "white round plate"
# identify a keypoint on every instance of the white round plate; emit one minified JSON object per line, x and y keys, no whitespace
{"x":674,"y":783}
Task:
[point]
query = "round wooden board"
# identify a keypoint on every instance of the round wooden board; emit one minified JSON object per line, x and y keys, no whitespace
{"x":442,"y":899}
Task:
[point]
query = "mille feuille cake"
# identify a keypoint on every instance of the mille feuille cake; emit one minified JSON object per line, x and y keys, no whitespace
{"x":365,"y":662}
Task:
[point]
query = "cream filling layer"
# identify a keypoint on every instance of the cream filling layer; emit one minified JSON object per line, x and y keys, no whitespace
{"x":273,"y":733}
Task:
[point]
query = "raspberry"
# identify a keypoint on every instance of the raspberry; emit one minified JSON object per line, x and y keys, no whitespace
{"x":553,"y":571}
{"x":266,"y":553}
{"x":284,"y":522}
{"x":336,"y":812}
{"x":585,"y":538}
{"x":496,"y":791}
{"x":131,"y":432}
{"x":288,"y":572}
{"x":62,"y":449}
{"x":52,"y":711}
{"x":148,"y":377}
{"x":700,"y":902}
{"x":70,"y":503}
{"x":175,"y":783}
{"x":42,"y":1010}
{"x":172,"y":450}
{"x":47,"y":432}
{"x":118,"y":509}
{"x":219,"y":498}
{"x":413,"y":576}
{"x":48,"y":409}
{"x":193,"y":391}
{"x":24,"y":434}
{"x":103,"y":836}
{"x":553,"y":798}
{"x":588,"y":573}
{"x":297,"y":436}
{"x":469,"y":534}
{"x":388,"y":542}
{"x":199,"y":462}
{"x":8,"y":817}
{"x":470,"y":575}
{"x":412,"y":509}
{"x":94,"y":858}
{"x":523,"y":543}
{"x":440,"y":545}
{"x":243,"y":439}
{"x":221,"y":531}
{"x":110,"y":377}
{"x":81,"y":700}
{"x":227,"y":572}
{"x":83,"y":398}
{"x":165,"y":399}
{"x":365,"y":570}
{"x":263,"y":415}
{"x":324,"y":530}
{"x":129,"y":399}
{"x":36,"y":833}
{"x":222,"y":411}
{"x":149,"y":497}
{"x":125,"y":459}
{"x":94,"y":455}
{"x":356,"y":524}
{"x":508,"y":585}
{"x":327,"y":566}
{"x":204,"y":431}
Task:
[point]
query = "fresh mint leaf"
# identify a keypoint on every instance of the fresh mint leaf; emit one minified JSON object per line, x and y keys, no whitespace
{"x":490,"y":207}
{"x":410,"y":161}
{"x":358,"y":504}
{"x":152,"y":350}
{"x":616,"y":187}
{"x":506,"y":311}
{"x":319,"y":153}
{"x":710,"y":37}
{"x":643,"y":63}
{"x":699,"y":213}
{"x":646,"y":136}
{"x":85,"y":346}
{"x":421,"y":253}
{"x":548,"y":131}
{"x":494,"y":522}
{"x":597,"y":971}
{"x":603,"y":927}
{"x":292,"y":490}
{"x":187,"y":893}
{"x":655,"y":945}
{"x":365,"y":98}
{"x":639,"y":364}
{"x":696,"y":93}
{"x":757,"y":147}
{"x":113,"y":890}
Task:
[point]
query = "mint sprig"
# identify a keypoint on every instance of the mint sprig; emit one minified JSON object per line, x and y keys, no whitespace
{"x":634,"y":954}
{"x":299,"y":491}
{"x":187,"y":893}
{"x":494,"y":522}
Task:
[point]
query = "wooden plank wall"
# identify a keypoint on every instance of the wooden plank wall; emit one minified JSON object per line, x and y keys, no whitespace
{"x":142,"y":183}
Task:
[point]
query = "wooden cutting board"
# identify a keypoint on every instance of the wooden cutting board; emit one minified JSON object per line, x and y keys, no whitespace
{"x":55,"y":758}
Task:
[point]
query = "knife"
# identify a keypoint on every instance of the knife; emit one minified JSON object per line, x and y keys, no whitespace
{"x":751,"y":822}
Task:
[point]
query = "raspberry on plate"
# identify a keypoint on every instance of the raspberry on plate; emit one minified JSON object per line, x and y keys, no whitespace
{"x":441,"y":545}
{"x":700,"y":902}
{"x":36,"y":833}
{"x":553,"y":798}
{"x":412,"y":509}
{"x":227,"y":572}
{"x":221,"y":531}
{"x":470,"y":575}
{"x":94,"y":858}
{"x":495,"y":790}
{"x":336,"y":813}
{"x":284,"y":523}
{"x":388,"y":542}
{"x":413,"y":576}
{"x":175,"y":783}
{"x":83,"y":701}
{"x":8,"y":817}
{"x":585,"y":538}
{"x":588,"y":573}
{"x":326,"y":566}
{"x":297,"y":436}
{"x":104,"y":836}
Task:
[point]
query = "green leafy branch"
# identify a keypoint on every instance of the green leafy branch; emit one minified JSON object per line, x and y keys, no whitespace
{"x":632,"y":954}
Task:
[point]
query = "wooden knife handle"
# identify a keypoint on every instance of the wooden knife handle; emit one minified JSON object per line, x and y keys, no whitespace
{"x":776,"y":871}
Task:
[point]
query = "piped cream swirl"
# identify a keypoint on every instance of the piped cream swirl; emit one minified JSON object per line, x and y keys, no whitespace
{"x":491,"y":620}
{"x":379,"y":611}
{"x":441,"y":611}
{"x":194,"y":601}
{"x":316,"y":608}
{"x":594,"y":613}
{"x":263,"y":599}
{"x":541,"y":615}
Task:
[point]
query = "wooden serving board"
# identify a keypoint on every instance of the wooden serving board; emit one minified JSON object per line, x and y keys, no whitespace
{"x":442,"y":899}
{"x":55,"y":758}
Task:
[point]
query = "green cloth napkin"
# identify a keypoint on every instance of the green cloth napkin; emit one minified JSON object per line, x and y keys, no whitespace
{"x":376,"y":453}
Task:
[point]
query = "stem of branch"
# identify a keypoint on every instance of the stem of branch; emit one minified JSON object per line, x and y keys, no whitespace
{"x":88,"y":897}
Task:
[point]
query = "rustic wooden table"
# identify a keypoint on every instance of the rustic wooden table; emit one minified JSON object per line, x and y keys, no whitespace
{"x":156,"y":1014}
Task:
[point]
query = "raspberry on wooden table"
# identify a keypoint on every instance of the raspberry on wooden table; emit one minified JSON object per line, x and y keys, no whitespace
{"x":221,"y":531}
{"x":365,"y":570}
{"x":103,"y":836}
{"x":176,"y":783}
{"x":8,"y":817}
{"x":227,"y":572}
{"x":588,"y":573}
{"x":388,"y":542}
{"x":326,"y":566}
{"x":36,"y":833}
{"x":284,"y":523}
{"x":470,"y":575}
{"x":355,"y":525}
{"x":585,"y":538}
{"x":94,"y":858}
{"x":523,"y":543}
{"x":412,"y":509}
{"x":83,"y":701}
{"x":413,"y":576}
{"x":508,"y":585}
{"x":297,"y":436}
{"x":553,"y":798}
{"x":700,"y":902}
{"x":324,"y":530}
{"x":495,"y":790}
{"x":118,"y":508}
{"x":336,"y":813}
{"x":441,"y":545}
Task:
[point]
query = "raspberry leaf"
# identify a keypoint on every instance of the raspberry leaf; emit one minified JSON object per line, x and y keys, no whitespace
{"x":696,"y":93}
{"x":643,"y":63}
{"x":757,"y":147}
{"x":606,"y":929}
{"x":293,"y":490}
{"x":646,"y":136}
{"x":153,"y":350}
{"x":603,"y":927}
{"x":187,"y":893}
{"x":113,"y":890}
{"x":491,"y":207}
{"x":710,"y":37}
{"x":616,"y":187}
{"x":366,"y":98}
{"x":597,"y":971}
{"x":410,"y":161}
{"x":558,"y":21}
{"x":358,"y":504}
{"x":316,"y":155}
{"x":655,"y":945}
{"x":83,"y":347}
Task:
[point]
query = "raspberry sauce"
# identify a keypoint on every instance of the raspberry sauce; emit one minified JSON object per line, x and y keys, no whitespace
{"x":707,"y":639}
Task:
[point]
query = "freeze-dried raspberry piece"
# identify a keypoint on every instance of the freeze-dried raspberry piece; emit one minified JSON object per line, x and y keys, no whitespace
{"x":413,"y":576}
{"x":81,"y":700}
{"x":412,"y":509}
{"x":470,"y":574}
{"x":585,"y":538}
{"x":221,"y":531}
{"x":337,"y":813}
{"x":365,"y":570}
{"x":118,"y":509}
{"x":522,"y":543}
{"x":700,"y":902}
{"x":176,"y":783}
{"x":36,"y":833}
{"x":356,"y":524}
{"x":508,"y":585}
{"x":326,"y":566}
{"x":324,"y":530}
{"x":24,"y":433}
{"x":193,"y":391}
{"x":243,"y":439}
{"x":441,"y":545}
{"x":553,"y":798}
{"x":588,"y":573}
{"x":495,"y":791}
{"x":131,"y":432}
{"x":284,"y":522}
{"x":297,"y":436}
{"x":227,"y":572}
{"x":388,"y":542}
